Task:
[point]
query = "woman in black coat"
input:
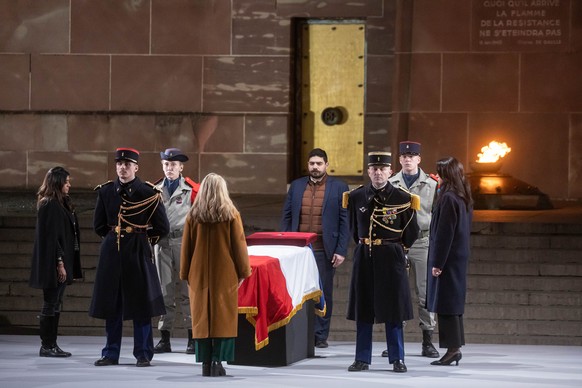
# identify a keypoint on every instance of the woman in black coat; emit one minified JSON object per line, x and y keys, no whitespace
{"x":56,"y":257}
{"x":448,"y":257}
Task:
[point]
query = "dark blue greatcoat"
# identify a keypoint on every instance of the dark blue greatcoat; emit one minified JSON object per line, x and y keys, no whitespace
{"x":379,"y":289}
{"x":449,"y":246}
{"x":128,"y":271}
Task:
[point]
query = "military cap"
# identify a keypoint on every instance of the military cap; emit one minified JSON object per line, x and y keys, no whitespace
{"x":409,"y":148}
{"x":379,"y":158}
{"x":173,"y":154}
{"x":129,"y":154}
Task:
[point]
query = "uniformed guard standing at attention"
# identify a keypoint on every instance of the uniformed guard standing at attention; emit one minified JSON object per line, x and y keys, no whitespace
{"x":130,"y":217}
{"x":383,"y":225}
{"x":178,"y":194}
{"x":418,"y":182}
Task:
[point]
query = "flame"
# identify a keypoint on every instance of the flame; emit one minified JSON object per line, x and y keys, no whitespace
{"x":492,"y":152}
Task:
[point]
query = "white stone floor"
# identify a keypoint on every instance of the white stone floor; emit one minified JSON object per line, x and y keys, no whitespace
{"x":482,"y":366}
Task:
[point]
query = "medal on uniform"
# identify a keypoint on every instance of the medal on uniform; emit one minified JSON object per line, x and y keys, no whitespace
{"x":389,"y":216}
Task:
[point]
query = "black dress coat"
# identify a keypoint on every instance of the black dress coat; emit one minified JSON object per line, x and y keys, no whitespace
{"x":126,"y":267}
{"x":449,"y":246}
{"x":56,"y":231}
{"x":379,"y":289}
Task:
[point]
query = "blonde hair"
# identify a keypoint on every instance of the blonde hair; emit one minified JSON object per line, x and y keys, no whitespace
{"x":212,"y":203}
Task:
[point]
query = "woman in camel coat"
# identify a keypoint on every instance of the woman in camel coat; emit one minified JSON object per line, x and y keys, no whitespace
{"x":214,"y":260}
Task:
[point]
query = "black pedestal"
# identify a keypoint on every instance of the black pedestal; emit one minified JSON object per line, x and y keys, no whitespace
{"x":288,"y":344}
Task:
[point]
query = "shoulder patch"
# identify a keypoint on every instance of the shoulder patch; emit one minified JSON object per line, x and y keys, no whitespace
{"x":153,"y":186}
{"x":101,"y":185}
{"x":434,"y":176}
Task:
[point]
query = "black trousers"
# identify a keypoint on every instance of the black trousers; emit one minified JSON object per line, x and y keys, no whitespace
{"x":53,"y":300}
{"x":451,"y":331}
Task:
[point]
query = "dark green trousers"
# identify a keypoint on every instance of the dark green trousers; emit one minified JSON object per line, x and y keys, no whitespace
{"x":214,"y":349}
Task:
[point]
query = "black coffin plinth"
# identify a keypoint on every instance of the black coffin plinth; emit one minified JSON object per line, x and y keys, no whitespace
{"x":288,"y":344}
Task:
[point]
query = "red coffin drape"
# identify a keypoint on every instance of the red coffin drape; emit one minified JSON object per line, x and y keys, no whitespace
{"x":264,"y":298}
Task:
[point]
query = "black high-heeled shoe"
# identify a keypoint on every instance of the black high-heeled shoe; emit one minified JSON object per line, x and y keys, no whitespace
{"x":449,"y":358}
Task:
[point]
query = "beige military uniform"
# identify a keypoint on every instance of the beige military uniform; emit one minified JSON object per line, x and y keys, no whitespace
{"x":425,"y":187}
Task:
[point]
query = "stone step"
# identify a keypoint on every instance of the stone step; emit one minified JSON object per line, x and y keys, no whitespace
{"x":525,"y":283}
{"x":525,"y":256}
{"x":89,"y":258}
{"x":524,"y":269}
{"x":22,"y":289}
{"x":532,"y":242}
{"x":528,"y":313}
{"x":521,"y":298}
{"x":524,"y":228}
{"x":8,"y":235}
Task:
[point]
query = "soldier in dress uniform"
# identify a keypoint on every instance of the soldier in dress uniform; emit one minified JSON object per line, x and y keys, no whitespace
{"x":418,"y":182}
{"x":383,"y":226}
{"x":178,"y":194}
{"x":130,"y":217}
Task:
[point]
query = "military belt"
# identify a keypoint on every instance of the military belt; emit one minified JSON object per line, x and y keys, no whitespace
{"x":176,"y":233}
{"x":379,"y":241}
{"x":128,"y":229}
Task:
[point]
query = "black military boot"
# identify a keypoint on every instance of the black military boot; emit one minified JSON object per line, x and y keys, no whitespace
{"x":164,"y":345}
{"x":190,"y":348}
{"x":428,"y":350}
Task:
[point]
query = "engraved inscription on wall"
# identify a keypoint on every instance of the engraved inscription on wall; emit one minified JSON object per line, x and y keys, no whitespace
{"x":521,"y":25}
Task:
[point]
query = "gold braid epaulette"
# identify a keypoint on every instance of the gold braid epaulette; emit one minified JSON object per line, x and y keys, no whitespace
{"x":346,"y":196}
{"x":153,"y":186}
{"x":414,"y":198}
{"x":101,"y":185}
{"x":137,"y":208}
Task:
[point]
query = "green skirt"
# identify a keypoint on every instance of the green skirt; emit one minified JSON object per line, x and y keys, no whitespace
{"x":214,"y":349}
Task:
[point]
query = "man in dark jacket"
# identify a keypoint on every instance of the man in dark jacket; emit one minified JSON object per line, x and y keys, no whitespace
{"x":314,"y":204}
{"x":130,"y":217}
{"x":383,"y":226}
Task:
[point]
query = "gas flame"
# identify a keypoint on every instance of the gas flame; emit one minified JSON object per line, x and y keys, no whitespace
{"x":492,"y":152}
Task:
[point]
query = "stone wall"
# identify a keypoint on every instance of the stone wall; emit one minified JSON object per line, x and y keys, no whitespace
{"x":79,"y":78}
{"x":469,"y":72}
